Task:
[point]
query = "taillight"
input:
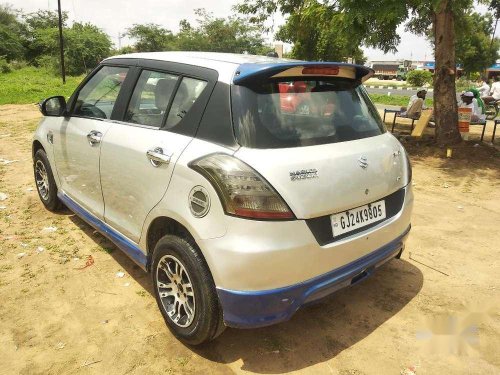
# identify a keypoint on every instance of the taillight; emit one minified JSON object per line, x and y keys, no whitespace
{"x":243,"y":191}
{"x":327,"y":71}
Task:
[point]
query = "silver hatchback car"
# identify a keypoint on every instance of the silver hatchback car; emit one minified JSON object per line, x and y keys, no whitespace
{"x":247,"y":186}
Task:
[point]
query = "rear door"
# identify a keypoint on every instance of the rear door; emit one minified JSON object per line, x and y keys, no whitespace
{"x":330,"y":152}
{"x":77,"y":143}
{"x":139,"y":153}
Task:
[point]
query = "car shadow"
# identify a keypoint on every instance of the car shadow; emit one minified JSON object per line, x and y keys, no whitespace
{"x":315,"y":334}
{"x":109,"y":247}
{"x":318,"y":333}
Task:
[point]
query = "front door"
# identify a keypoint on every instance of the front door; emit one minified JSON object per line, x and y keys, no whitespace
{"x":77,"y":146}
{"x":139,"y":154}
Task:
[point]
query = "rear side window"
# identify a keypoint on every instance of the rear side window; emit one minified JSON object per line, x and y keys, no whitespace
{"x":151,"y":98}
{"x":97,"y":98}
{"x":294,"y":113}
{"x":188,"y":92}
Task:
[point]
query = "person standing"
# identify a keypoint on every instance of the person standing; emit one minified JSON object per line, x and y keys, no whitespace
{"x":495,"y":91}
{"x":483,"y":87}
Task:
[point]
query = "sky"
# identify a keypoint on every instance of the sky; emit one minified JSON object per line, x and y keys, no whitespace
{"x":115,"y":16}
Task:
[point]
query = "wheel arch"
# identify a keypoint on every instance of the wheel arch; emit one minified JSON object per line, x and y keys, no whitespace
{"x":162,"y":226}
{"x":37,"y":145}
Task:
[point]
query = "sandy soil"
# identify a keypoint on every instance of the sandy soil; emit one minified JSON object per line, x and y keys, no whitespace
{"x":436,"y":312}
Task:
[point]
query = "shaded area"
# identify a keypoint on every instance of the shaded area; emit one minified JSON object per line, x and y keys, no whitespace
{"x":120,"y":257}
{"x":469,"y":159}
{"x":320,"y":332}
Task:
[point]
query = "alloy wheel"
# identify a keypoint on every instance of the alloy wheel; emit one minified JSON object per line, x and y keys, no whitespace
{"x":42,"y":180}
{"x":175,"y":290}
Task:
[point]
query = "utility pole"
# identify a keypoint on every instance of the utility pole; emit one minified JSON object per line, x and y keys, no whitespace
{"x":120,"y":36}
{"x":493,"y":34}
{"x":61,"y":47}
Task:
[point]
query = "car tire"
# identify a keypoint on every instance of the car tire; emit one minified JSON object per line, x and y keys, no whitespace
{"x":185,"y":291}
{"x":45,"y":183}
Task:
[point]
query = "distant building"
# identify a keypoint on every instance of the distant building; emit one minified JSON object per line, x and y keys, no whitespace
{"x":493,"y":70}
{"x":431,"y":66}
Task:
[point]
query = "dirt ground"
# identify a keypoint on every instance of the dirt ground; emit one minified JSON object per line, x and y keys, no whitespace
{"x":435,"y":311}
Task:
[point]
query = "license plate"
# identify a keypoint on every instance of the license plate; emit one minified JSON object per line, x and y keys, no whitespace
{"x":350,"y":220}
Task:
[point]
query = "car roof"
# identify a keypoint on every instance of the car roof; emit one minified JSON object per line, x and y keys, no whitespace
{"x":224,"y":63}
{"x":200,"y":57}
{"x":249,"y":66}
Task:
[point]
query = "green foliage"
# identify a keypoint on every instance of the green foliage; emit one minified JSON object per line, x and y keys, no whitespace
{"x":395,"y":100}
{"x":474,"y":48}
{"x":474,"y":76}
{"x":419,"y":77}
{"x":122,"y":51}
{"x":11,"y":43}
{"x":31,"y":85}
{"x":318,"y":32}
{"x":233,"y":34}
{"x":40,"y":33}
{"x":44,"y":19}
{"x":86,"y":47}
{"x":151,"y":37}
{"x":495,"y":8}
{"x":463,"y":83}
{"x":4,"y":66}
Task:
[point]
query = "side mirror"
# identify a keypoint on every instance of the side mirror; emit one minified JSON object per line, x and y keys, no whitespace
{"x":53,"y":106}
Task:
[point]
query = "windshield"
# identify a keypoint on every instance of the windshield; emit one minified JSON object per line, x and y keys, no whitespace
{"x":294,"y":113}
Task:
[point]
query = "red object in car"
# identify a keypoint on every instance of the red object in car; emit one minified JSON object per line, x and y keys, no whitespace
{"x":289,"y":100}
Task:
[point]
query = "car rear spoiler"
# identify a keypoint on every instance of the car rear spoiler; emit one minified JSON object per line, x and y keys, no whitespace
{"x":248,"y":73}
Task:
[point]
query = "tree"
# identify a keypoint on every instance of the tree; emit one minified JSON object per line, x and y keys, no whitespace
{"x":475,"y":50}
{"x":231,"y":35}
{"x":40,"y":29}
{"x":419,"y":77}
{"x":85,"y":45}
{"x":151,"y":37}
{"x":376,"y":24}
{"x":317,"y":32}
{"x":11,"y":45}
{"x":495,"y":8}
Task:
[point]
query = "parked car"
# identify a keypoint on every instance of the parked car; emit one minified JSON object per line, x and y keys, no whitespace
{"x":243,"y":210}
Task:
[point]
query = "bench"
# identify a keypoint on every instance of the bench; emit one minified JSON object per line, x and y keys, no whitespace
{"x":397,"y":113}
{"x":483,"y":124}
{"x":390,"y":111}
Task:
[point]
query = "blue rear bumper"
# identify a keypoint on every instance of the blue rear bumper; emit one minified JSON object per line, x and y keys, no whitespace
{"x":251,"y":309}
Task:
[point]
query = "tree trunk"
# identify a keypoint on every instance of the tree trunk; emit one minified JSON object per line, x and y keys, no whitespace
{"x":445,"y":101}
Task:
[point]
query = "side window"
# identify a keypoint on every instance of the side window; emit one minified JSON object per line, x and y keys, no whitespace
{"x":151,"y":97}
{"x":97,"y":98}
{"x":189,"y":90}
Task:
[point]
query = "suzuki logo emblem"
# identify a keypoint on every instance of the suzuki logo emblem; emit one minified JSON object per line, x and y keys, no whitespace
{"x":363,"y":162}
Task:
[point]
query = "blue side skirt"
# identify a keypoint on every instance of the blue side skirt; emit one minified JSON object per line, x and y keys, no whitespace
{"x":127,"y":246}
{"x":251,"y":309}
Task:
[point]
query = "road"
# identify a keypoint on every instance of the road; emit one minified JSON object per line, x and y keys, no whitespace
{"x":395,"y":91}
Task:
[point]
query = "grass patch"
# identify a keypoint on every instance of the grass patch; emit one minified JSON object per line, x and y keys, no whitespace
{"x":400,"y":101}
{"x":31,"y":85}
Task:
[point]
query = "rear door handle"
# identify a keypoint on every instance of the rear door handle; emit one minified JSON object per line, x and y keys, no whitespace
{"x":157,"y":156}
{"x":94,"y":137}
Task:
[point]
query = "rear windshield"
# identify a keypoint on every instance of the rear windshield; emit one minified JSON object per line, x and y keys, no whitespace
{"x":294,"y":113}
